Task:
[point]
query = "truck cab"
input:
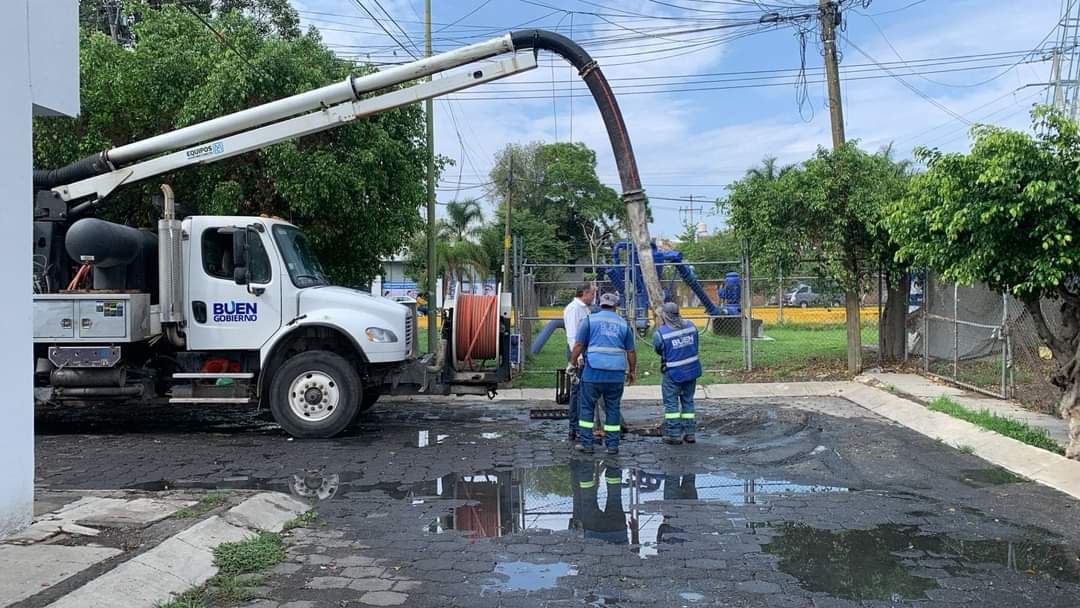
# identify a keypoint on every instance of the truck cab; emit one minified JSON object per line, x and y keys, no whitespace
{"x":253,"y":280}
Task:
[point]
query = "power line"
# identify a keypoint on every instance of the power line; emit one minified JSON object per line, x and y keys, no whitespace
{"x":221,"y":38}
{"x":383,"y":28}
{"x":906,"y":84}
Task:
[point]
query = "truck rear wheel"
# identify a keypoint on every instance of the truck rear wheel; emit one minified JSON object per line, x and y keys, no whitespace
{"x":315,"y":394}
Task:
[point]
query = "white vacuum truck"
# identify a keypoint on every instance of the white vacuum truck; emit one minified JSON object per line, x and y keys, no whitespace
{"x":223,"y":309}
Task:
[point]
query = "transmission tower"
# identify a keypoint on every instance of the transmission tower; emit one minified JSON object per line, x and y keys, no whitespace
{"x":1064,"y":92}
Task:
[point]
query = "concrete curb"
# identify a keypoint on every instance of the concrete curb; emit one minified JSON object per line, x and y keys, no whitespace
{"x":186,"y":559}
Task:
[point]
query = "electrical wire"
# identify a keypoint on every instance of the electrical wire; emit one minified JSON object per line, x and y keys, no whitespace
{"x":223,"y":40}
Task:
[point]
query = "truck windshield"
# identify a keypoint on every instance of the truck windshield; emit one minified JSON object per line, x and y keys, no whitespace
{"x":304,"y":268}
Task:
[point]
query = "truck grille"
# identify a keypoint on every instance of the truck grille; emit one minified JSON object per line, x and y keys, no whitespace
{"x":410,"y":334}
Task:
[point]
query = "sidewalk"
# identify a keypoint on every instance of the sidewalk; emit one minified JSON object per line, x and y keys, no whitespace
{"x":125,"y":548}
{"x":926,"y":390}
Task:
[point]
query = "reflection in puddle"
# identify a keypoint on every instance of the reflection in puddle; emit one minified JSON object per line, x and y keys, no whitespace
{"x":527,"y":576}
{"x":876,"y":564}
{"x":427,"y":438}
{"x":591,"y":498}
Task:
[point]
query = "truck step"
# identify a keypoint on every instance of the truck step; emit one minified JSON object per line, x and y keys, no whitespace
{"x":209,"y":400}
{"x":212,"y":375}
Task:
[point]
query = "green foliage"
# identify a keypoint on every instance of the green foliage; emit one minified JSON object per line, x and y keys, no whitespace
{"x":990,"y":421}
{"x":457,"y":252}
{"x":257,"y":553}
{"x":556,"y":184}
{"x":1004,"y":215}
{"x":720,"y":247}
{"x":539,"y":241}
{"x":185,"y":513}
{"x":307,"y":519}
{"x":358,"y":183}
{"x":829,"y":208}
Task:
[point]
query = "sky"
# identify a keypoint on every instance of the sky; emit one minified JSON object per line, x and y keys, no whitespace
{"x":707,"y":90}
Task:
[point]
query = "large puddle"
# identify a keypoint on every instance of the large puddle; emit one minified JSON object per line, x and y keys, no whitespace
{"x":592,"y":499}
{"x":879,"y":564}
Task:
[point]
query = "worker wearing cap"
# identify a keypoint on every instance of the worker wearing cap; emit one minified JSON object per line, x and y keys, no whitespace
{"x":676,"y":341}
{"x":607,"y":342}
{"x":573,"y":316}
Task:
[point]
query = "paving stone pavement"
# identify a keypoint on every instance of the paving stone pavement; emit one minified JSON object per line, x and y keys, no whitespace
{"x":794,"y":502}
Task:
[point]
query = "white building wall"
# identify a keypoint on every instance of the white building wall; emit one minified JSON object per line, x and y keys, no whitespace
{"x":52,"y":55}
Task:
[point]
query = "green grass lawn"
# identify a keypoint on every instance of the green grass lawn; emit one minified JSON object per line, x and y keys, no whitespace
{"x":1019,"y":431}
{"x":791,"y":352}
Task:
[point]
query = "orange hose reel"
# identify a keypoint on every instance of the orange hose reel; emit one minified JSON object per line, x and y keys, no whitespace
{"x":476,"y":328}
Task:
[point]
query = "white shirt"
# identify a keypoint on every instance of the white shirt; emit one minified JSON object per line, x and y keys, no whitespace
{"x":574,"y":313}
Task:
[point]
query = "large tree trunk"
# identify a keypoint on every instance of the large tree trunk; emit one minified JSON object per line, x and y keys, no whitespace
{"x":854,"y":332}
{"x":893,"y":323}
{"x":1065,"y":347}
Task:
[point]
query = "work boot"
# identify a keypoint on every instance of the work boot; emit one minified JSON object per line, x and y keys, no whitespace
{"x":672,"y":440}
{"x":689,"y":438}
{"x":582,"y":449}
{"x":612,"y":451}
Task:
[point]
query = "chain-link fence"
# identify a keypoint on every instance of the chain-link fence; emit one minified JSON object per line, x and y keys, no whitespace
{"x":753,"y":325}
{"x":983,"y":340}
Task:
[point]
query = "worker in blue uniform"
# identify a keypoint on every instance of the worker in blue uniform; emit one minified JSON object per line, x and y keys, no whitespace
{"x":676,"y":341}
{"x":607,"y":342}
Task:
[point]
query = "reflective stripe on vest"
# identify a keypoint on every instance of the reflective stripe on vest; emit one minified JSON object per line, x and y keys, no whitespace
{"x":607,"y":340}
{"x":681,"y":362}
{"x":680,"y":352}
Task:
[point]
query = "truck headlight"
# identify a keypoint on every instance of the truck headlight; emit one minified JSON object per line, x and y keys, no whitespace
{"x":378,"y":334}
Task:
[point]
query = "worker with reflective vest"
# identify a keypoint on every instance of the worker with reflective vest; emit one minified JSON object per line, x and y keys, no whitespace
{"x":607,"y":342}
{"x":676,"y":341}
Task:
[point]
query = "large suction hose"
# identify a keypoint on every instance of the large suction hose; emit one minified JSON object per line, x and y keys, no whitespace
{"x":352,"y":88}
{"x":633,"y":195}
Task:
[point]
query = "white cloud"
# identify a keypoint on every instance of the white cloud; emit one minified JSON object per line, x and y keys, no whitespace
{"x":704,"y":138}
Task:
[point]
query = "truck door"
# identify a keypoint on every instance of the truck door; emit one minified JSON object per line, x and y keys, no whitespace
{"x":223,"y":314}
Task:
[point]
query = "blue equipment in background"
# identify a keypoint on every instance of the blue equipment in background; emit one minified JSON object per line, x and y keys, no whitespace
{"x":729,"y":294}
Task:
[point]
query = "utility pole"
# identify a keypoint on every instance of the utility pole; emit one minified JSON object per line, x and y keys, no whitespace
{"x":688,"y":212}
{"x":506,"y":230}
{"x":829,"y":15}
{"x":429,"y":110}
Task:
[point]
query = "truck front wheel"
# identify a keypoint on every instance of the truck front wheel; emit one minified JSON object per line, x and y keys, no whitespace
{"x":315,"y":394}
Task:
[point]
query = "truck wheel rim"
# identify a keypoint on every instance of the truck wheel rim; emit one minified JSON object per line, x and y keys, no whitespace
{"x":314,"y":396}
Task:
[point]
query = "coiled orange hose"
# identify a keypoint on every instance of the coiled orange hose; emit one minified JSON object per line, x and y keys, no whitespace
{"x":476,"y":333}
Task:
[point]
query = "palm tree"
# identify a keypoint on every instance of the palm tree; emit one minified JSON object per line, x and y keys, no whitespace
{"x":463,"y":219}
{"x":769,"y":170}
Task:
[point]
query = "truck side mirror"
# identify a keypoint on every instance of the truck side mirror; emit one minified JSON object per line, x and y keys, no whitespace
{"x":240,"y":255}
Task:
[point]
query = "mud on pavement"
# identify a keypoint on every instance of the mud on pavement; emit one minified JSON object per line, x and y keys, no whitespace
{"x":793,"y":502}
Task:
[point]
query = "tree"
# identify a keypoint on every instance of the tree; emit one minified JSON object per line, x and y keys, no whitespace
{"x":360,"y":183}
{"x":723,"y":246}
{"x":463,"y":219}
{"x":558,"y":184}
{"x":1007,"y":215}
{"x":828,"y":209}
{"x":458,"y":254}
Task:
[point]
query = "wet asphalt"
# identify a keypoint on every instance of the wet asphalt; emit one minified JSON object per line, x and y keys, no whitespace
{"x":781,"y":503}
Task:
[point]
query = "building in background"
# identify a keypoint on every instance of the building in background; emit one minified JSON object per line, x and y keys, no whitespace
{"x":39,"y":41}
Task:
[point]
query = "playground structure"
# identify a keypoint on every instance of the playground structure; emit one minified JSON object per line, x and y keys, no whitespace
{"x":723,"y":318}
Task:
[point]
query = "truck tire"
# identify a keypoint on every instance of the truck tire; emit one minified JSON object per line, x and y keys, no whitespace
{"x":315,"y":394}
{"x":803,"y":304}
